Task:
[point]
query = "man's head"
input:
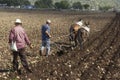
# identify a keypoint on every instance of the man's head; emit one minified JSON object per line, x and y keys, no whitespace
{"x":48,"y":22}
{"x":18,"y":22}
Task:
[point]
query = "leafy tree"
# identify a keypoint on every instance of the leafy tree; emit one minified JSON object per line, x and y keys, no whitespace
{"x":77,"y":5}
{"x":2,"y":1}
{"x":40,"y":4}
{"x":14,"y":2}
{"x":57,"y":5}
{"x":43,"y":3}
{"x":26,"y":2}
{"x":62,"y":5}
{"x":105,"y":8}
{"x":86,"y":6}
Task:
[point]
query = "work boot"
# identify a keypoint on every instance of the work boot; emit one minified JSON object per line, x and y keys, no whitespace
{"x":40,"y":52}
{"x":15,"y":67}
{"x":19,"y":72}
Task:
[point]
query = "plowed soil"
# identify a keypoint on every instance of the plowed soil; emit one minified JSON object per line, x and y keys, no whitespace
{"x":99,"y":60}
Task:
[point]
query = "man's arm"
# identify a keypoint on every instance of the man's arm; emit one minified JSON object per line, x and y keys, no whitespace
{"x":48,"y":34}
{"x":27,"y":40}
{"x":11,"y":36}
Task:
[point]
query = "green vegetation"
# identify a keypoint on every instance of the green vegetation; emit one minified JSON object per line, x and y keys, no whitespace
{"x":77,"y":5}
{"x":86,"y":6}
{"x":62,"y":5}
{"x":43,"y":4}
{"x":15,"y":2}
{"x":105,"y":8}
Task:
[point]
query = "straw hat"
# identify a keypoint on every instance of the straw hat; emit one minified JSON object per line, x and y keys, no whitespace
{"x":18,"y":21}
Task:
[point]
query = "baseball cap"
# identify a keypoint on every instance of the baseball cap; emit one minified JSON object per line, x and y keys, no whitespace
{"x":49,"y":21}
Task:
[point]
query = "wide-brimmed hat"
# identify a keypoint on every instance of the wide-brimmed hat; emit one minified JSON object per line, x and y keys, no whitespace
{"x":48,"y":21}
{"x":18,"y":21}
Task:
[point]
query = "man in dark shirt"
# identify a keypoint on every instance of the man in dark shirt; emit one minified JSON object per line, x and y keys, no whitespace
{"x":45,"y":31}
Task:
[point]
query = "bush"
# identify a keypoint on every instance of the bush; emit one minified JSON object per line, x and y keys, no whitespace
{"x":77,"y":5}
{"x":105,"y":8}
{"x":15,"y":2}
{"x":43,"y":4}
{"x":62,"y":5}
{"x":86,"y":6}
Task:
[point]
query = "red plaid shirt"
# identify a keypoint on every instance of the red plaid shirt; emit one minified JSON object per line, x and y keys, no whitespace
{"x":19,"y":35}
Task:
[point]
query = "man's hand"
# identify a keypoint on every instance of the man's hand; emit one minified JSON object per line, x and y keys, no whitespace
{"x":50,"y":36}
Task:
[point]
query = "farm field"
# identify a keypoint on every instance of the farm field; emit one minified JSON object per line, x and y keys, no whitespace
{"x":100,"y":59}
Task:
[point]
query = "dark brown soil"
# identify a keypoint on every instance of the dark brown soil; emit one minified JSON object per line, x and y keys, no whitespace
{"x":99,"y":60}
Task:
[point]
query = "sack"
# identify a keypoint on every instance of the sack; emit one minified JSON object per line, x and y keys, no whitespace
{"x":13,"y":46}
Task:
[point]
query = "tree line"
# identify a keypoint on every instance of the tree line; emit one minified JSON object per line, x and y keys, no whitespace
{"x":15,"y":2}
{"x":45,"y":4}
{"x":64,"y":4}
{"x":60,"y":5}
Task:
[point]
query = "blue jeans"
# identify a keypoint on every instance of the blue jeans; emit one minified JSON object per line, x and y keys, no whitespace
{"x":46,"y":44}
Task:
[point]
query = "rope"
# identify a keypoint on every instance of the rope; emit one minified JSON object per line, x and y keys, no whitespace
{"x":53,"y":42}
{"x":59,"y":47}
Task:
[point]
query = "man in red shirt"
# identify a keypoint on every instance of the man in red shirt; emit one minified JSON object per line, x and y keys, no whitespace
{"x":18,"y":35}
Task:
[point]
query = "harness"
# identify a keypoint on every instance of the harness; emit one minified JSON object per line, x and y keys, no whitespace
{"x":87,"y":29}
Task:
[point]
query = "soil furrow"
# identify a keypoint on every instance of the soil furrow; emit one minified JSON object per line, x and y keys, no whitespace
{"x":103,"y":57}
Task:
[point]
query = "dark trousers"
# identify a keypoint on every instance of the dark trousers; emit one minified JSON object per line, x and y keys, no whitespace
{"x":21,"y":53}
